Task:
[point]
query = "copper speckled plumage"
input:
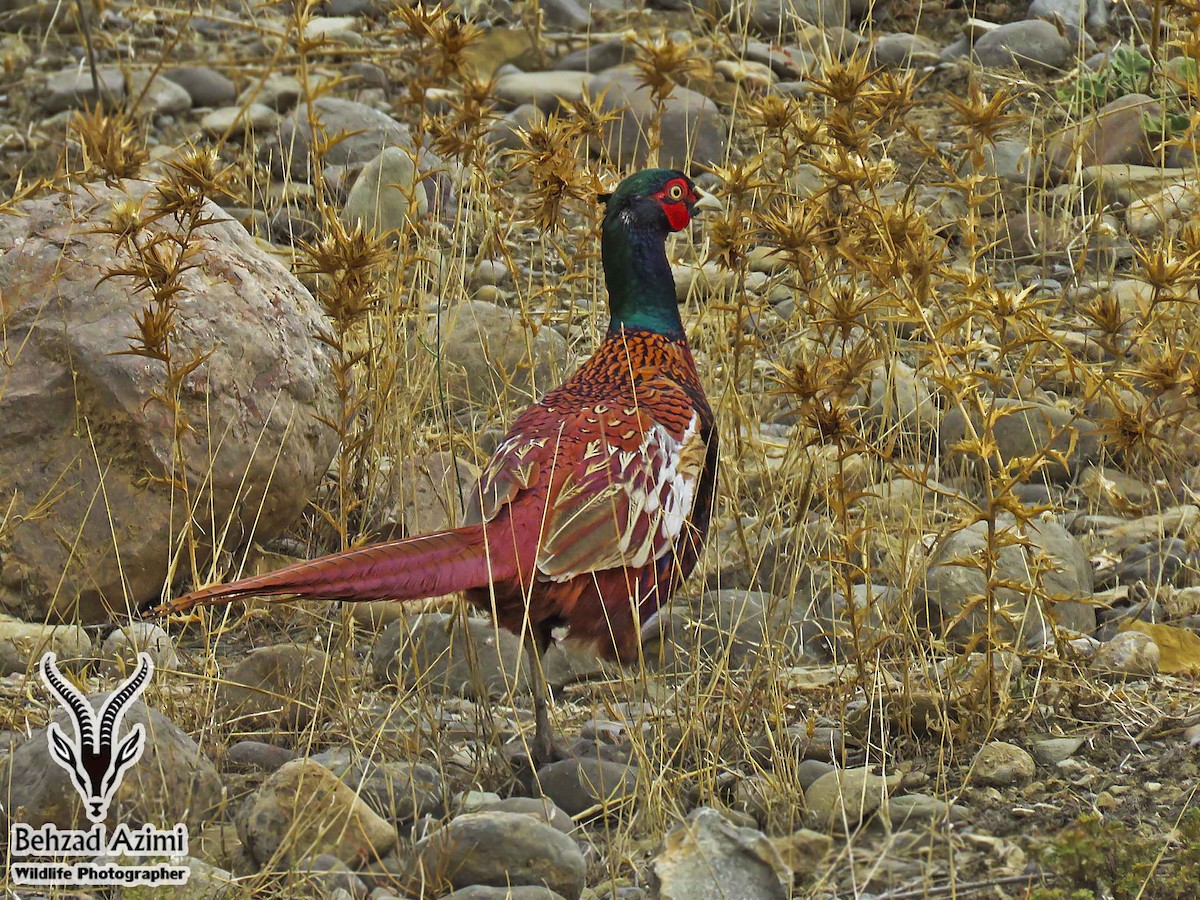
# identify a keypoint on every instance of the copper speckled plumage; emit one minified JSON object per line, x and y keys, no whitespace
{"x":595,"y":506}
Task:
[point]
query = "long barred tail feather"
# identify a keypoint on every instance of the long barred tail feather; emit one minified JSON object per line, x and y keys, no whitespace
{"x":408,"y":569}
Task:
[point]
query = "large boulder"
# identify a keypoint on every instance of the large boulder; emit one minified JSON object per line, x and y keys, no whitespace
{"x":86,"y":448}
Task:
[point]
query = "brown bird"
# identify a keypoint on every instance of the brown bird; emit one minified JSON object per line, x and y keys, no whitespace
{"x":594,"y":507}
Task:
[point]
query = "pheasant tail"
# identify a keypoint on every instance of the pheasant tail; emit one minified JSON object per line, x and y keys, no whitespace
{"x":409,"y":569}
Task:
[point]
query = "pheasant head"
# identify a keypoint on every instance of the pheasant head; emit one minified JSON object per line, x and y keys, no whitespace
{"x":639,"y":215}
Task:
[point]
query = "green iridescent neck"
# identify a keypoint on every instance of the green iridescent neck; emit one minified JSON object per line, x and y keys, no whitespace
{"x":641,"y":289}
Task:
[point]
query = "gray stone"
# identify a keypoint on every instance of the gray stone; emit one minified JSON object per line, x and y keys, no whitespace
{"x":331,"y":877}
{"x":504,"y":133}
{"x":568,"y":14}
{"x":545,"y":90}
{"x":1111,"y":135}
{"x":598,"y":786}
{"x":387,"y":196}
{"x":845,"y":797}
{"x":706,"y":857}
{"x":73,"y":88}
{"x":426,"y":493}
{"x":205,"y":882}
{"x":22,"y":644}
{"x":1131,"y":653}
{"x":303,"y":809}
{"x":541,"y":808}
{"x":428,"y":652}
{"x":1026,"y":428}
{"x":999,"y":764}
{"x":1070,"y":12}
{"x":238,"y":121}
{"x":206,"y":87}
{"x":157,"y":97}
{"x":517,"y":892}
{"x":279,"y":92}
{"x":776,"y":18}
{"x":121,"y":648}
{"x":500,"y":849}
{"x":1054,"y":575}
{"x":265,"y":383}
{"x":1031,"y":45}
{"x":1052,"y":751}
{"x":693,"y":131}
{"x":171,"y":782}
{"x":489,"y":352}
{"x":596,"y":57}
{"x":905,"y":51}
{"x":255,"y":755}
{"x":282,"y":684}
{"x":366,"y":132}
{"x":398,"y":791}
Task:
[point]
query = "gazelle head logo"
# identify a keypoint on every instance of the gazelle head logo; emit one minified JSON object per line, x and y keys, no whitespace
{"x":93,"y":764}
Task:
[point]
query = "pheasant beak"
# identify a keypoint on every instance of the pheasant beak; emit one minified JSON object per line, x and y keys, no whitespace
{"x":707,"y":203}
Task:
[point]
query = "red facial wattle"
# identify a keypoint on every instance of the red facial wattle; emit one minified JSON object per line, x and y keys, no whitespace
{"x":677,"y":214}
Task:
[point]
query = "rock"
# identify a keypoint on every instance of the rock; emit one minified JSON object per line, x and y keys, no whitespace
{"x":504,"y":133}
{"x":1067,"y":11}
{"x":502,"y":849}
{"x":1112,"y":491}
{"x":489,"y":351}
{"x":255,"y":755}
{"x":522,"y":892}
{"x":1026,"y":428}
{"x":568,"y":14}
{"x":259,"y":396}
{"x":206,"y":87}
{"x":387,"y":196}
{"x":72,"y":88}
{"x":22,"y":644}
{"x":921,"y":810}
{"x":279,"y":92}
{"x":157,"y":97}
{"x":1174,"y":520}
{"x":541,"y":808}
{"x":596,"y":57}
{"x":1111,"y":135}
{"x":238,"y":121}
{"x":1158,"y":562}
{"x":905,"y":51}
{"x":845,"y":797}
{"x":730,"y":626}
{"x":430,"y":489}
{"x":368,"y":131}
{"x":333,"y":30}
{"x":900,"y":404}
{"x":786,"y":62}
{"x":1032,"y":45}
{"x":398,"y":791}
{"x":545,"y":90}
{"x":428,"y":652}
{"x":579,"y":785}
{"x":1127,"y":184}
{"x":1164,"y":211}
{"x":999,"y":764}
{"x":693,"y":132}
{"x":1060,"y":585}
{"x":706,"y":857}
{"x":282,"y":684}
{"x":303,"y":809}
{"x":804,"y":852}
{"x":1128,"y":653}
{"x":880,"y":613}
{"x":121,"y":648}
{"x":204,"y":882}
{"x":1052,"y":751}
{"x":171,"y":782}
{"x":330,"y":875}
{"x":777,"y":19}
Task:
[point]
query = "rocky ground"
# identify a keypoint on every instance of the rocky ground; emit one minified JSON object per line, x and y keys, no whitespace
{"x":945,"y":639}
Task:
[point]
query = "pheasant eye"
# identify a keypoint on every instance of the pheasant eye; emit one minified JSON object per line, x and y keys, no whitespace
{"x":675,"y":191}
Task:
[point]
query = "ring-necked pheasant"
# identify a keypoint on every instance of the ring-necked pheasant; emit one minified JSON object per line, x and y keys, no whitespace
{"x":594,"y":507}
